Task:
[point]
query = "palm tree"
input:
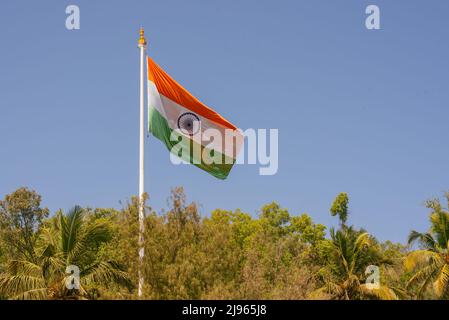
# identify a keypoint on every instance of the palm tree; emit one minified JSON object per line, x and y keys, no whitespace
{"x":351,"y":252}
{"x":70,"y":241}
{"x":430,"y":263}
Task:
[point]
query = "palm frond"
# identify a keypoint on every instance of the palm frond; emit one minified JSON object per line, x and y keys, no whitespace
{"x":424,"y":276}
{"x":22,"y":286}
{"x":34,"y":294}
{"x":106,"y":274}
{"x":89,"y":238}
{"x":70,"y":226}
{"x":381,"y":293}
{"x":16,"y":267}
{"x":361,"y":242}
{"x":440,"y":227}
{"x":441,"y":284}
{"x":426,"y":240}
{"x":419,"y":258}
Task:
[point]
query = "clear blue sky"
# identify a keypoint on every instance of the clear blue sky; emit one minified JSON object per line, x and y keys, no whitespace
{"x":360,"y":111}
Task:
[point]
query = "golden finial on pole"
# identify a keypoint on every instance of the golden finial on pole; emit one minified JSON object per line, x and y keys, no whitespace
{"x":142,"y":41}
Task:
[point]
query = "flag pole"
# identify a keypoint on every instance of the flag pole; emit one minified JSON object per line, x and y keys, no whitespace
{"x":142,"y":46}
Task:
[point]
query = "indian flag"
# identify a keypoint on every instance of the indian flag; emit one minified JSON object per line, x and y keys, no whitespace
{"x":191,"y":130}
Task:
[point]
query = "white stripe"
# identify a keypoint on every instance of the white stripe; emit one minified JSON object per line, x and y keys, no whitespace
{"x":154,"y":99}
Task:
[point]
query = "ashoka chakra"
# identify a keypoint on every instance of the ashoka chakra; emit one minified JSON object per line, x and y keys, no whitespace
{"x":189,"y":123}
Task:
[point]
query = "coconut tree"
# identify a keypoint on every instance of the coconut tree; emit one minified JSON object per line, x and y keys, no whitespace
{"x":430,"y":264}
{"x":350,"y":253}
{"x":67,"y":244}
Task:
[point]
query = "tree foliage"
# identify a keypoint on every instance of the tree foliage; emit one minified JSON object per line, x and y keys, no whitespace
{"x":430,"y":264}
{"x":226,"y":254}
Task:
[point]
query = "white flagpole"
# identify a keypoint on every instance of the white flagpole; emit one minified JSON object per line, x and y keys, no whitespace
{"x":142,"y":46}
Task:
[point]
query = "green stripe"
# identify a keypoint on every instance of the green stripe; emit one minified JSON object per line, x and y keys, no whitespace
{"x":158,"y":126}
